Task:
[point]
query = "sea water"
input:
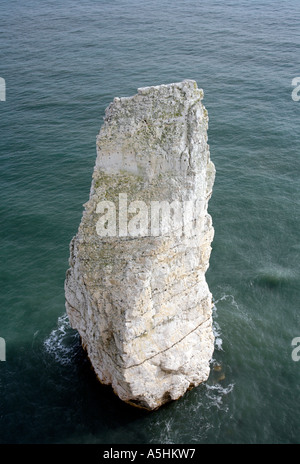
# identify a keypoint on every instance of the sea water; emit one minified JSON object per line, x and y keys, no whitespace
{"x":61,"y":63}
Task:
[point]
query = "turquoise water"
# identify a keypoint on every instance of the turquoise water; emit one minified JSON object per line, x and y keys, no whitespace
{"x":63,"y":63}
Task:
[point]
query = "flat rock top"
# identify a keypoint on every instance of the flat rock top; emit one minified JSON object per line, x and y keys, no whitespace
{"x":149,"y":133}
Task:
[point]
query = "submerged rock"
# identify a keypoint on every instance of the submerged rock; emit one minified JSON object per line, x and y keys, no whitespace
{"x":136,"y":289}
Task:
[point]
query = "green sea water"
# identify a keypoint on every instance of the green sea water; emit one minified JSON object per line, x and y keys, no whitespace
{"x":63,"y":62}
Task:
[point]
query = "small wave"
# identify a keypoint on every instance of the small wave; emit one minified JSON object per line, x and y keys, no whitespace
{"x":227,"y":297}
{"x":62,"y":341}
{"x":216,"y":327}
{"x":275,"y":276}
{"x":230,"y":300}
{"x":217,"y":331}
{"x":214,"y":390}
{"x":215,"y":393}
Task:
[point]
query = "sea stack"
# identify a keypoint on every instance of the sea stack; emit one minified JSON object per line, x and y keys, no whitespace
{"x":136,"y":290}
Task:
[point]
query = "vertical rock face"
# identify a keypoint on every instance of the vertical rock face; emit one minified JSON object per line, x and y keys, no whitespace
{"x":136,"y":289}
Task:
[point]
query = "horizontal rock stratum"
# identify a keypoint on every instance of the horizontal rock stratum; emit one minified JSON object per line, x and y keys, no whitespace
{"x":136,"y":289}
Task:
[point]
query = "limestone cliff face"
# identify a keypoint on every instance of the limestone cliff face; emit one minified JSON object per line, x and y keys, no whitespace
{"x":136,"y":289}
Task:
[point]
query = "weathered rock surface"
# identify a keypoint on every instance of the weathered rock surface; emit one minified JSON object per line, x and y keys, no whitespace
{"x":136,"y":289}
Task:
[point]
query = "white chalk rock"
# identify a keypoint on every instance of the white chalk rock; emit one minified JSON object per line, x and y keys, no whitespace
{"x":136,"y":289}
